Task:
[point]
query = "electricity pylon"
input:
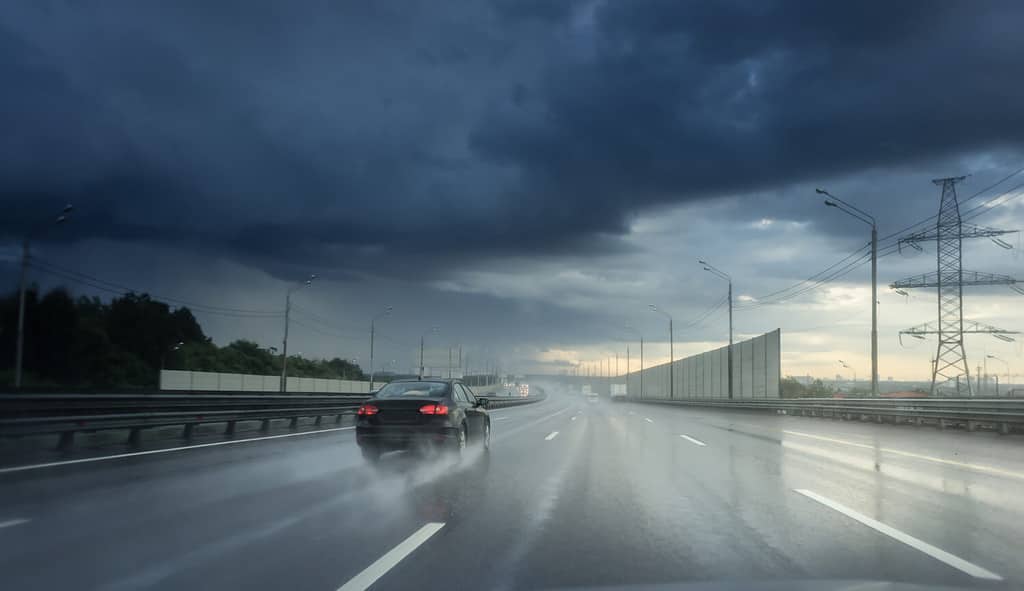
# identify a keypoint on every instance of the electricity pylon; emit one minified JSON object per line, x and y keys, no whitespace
{"x":950,"y":371}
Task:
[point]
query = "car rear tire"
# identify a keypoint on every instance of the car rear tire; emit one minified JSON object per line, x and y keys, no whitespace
{"x":371,"y":455}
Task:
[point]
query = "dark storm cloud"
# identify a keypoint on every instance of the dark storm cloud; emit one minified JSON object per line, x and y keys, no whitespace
{"x":680,"y":99}
{"x":418,"y":136}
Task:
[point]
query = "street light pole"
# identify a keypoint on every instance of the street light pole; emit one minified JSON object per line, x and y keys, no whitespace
{"x":22,"y":288}
{"x":163,"y":359}
{"x":373,"y":321}
{"x":637,"y":332}
{"x":997,"y":375}
{"x":868,"y":219}
{"x":287,"y":316}
{"x":671,"y":351}
{"x":423,"y":336}
{"x":723,"y":275}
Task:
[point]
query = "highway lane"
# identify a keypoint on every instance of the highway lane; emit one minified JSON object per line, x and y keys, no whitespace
{"x":572,"y":494}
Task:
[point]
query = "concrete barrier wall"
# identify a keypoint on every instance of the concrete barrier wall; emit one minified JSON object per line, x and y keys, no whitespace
{"x":172,"y":379}
{"x":756,"y":373}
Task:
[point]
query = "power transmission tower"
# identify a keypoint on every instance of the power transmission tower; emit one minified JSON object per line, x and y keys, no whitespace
{"x":949,"y":370}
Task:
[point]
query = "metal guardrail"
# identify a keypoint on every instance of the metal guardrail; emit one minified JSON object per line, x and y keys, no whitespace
{"x":504,"y":401}
{"x":67,"y":414}
{"x":1004,"y":415}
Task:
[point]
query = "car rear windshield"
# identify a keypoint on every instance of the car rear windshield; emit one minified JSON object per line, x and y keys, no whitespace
{"x":413,"y":390}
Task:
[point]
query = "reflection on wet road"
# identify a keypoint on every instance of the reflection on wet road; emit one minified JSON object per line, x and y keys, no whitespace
{"x":572,"y":494}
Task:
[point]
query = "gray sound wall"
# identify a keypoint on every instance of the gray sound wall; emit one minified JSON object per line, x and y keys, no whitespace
{"x":756,"y":372}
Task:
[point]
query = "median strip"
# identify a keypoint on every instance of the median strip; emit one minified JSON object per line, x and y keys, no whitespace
{"x":551,"y":436}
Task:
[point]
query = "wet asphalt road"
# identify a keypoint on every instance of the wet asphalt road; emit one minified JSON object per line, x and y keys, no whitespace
{"x":572,"y":494}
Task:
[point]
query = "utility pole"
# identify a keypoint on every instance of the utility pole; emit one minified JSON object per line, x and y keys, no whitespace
{"x":23,"y":287}
{"x":1005,"y":363}
{"x":637,"y":332}
{"x":432,"y":329}
{"x":287,"y":315}
{"x":373,"y":320}
{"x":874,"y":309}
{"x":671,"y":351}
{"x":865,"y":217}
{"x":723,"y":275}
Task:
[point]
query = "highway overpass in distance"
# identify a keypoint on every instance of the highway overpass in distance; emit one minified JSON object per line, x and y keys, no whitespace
{"x":574,"y":493}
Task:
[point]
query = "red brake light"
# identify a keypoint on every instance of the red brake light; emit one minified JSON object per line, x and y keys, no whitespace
{"x":433,"y":409}
{"x":367,"y":410}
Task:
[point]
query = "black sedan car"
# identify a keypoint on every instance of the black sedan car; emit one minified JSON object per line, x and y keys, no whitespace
{"x":422,"y":414}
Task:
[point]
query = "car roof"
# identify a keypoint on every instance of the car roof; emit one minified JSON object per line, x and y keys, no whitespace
{"x":407,"y":380}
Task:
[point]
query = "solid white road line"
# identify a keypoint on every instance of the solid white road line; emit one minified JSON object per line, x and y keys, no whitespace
{"x":387,"y":562}
{"x":936,"y":553}
{"x":500,"y":418}
{"x":551,"y":436}
{"x":694,"y":441}
{"x":12,"y":522}
{"x":648,"y":420}
{"x":163,"y":451}
{"x":907,"y":454}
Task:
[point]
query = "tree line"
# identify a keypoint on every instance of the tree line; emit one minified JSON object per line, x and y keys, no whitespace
{"x":86,"y":342}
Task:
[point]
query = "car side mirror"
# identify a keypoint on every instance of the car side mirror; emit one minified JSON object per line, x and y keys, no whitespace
{"x":483,"y":402}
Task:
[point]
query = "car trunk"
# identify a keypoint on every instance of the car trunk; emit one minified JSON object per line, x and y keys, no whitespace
{"x":405,"y":411}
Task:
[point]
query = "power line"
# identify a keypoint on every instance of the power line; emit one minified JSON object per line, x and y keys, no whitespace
{"x":769,"y":296}
{"x":331,"y":322}
{"x":327,"y":333}
{"x":988,"y":206}
{"x":813,"y":283}
{"x":706,"y":314}
{"x":933,"y":217}
{"x":114,"y":288}
{"x":396,"y":342}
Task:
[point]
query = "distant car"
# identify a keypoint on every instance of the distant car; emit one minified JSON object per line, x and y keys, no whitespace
{"x":420,"y":414}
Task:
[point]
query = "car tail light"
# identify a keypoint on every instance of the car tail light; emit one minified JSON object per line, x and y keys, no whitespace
{"x":433,"y":409}
{"x":367,"y":410}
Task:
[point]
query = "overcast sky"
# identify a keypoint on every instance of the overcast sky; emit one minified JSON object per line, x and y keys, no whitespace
{"x":526,"y":175}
